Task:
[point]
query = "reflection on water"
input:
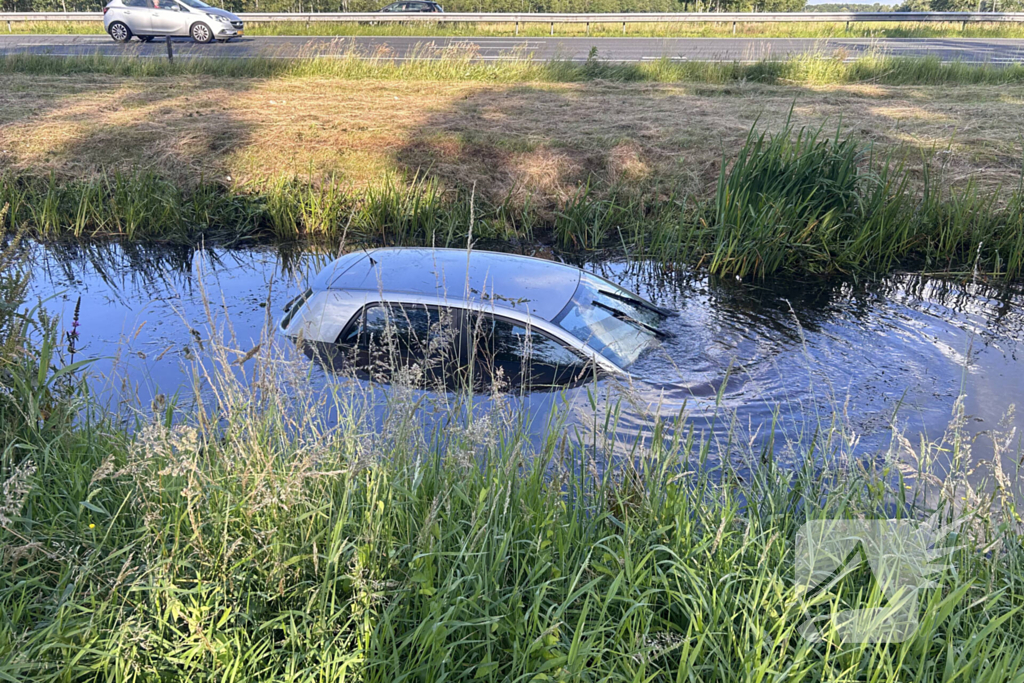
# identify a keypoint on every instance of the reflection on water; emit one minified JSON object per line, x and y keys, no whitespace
{"x":895,"y":351}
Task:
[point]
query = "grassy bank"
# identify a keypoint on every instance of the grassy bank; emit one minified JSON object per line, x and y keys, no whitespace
{"x":790,"y":203}
{"x":251,"y":538}
{"x":457,"y":63}
{"x":929,"y":178}
{"x":613,"y":30}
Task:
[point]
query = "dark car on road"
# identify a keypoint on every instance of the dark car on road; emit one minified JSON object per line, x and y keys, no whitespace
{"x":413,"y":7}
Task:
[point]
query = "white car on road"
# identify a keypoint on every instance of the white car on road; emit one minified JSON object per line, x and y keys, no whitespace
{"x":146,"y":19}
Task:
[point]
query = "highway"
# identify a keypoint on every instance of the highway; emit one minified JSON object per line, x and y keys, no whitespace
{"x":997,"y":51}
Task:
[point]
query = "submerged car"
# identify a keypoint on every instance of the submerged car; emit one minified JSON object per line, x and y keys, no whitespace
{"x":446,"y":313}
{"x":146,"y":19}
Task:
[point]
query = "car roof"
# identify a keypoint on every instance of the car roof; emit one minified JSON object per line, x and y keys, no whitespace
{"x":455,"y":276}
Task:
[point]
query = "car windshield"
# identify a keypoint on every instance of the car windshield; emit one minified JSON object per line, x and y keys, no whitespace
{"x":197,"y":4}
{"x":611,"y":320}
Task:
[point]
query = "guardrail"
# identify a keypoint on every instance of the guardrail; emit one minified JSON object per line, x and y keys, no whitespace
{"x":527,"y":18}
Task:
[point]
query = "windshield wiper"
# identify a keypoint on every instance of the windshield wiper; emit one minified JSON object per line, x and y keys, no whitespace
{"x":625,"y":317}
{"x":663,"y":312}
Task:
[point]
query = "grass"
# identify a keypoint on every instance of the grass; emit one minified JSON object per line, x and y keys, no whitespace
{"x":537,"y":141}
{"x":682,"y":30}
{"x":457,"y":63}
{"x":805,"y":203}
{"x":795,"y":202}
{"x":253,"y":537}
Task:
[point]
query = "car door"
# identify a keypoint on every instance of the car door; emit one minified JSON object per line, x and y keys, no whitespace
{"x":508,"y":354}
{"x":136,"y":14}
{"x":168,"y":18}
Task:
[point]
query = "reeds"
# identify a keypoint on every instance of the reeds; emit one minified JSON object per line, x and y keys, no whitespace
{"x":797,"y":201}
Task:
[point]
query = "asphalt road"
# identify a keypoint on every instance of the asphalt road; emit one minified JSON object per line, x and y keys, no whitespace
{"x":998,"y":51}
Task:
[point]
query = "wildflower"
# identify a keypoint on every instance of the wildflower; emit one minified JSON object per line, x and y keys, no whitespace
{"x":92,"y":526}
{"x":72,"y":334}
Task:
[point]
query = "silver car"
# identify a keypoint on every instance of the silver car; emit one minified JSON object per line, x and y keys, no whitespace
{"x":145,"y":19}
{"x":514,"y":319}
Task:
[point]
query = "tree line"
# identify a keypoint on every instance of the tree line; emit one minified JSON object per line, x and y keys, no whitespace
{"x":922,"y":6}
{"x":961,"y":6}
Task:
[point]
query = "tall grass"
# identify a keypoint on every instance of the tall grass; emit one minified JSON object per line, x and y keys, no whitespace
{"x":143,"y":206}
{"x":802,"y":202}
{"x":251,"y":537}
{"x":455,"y":63}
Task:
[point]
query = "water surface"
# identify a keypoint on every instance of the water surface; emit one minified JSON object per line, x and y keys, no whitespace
{"x":743,"y":358}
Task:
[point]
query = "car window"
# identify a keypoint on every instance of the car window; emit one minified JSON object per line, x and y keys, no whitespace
{"x":137,"y":3}
{"x":418,"y":7}
{"x":609,"y":320}
{"x":167,"y":5}
{"x":510,"y":351}
{"x":411,"y":331}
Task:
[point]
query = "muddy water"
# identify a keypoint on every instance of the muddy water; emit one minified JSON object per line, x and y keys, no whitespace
{"x":896,"y":351}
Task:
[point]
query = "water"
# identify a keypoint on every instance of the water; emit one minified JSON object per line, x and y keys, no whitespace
{"x":893,"y":352}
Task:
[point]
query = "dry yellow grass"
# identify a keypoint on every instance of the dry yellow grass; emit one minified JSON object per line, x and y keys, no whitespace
{"x":537,"y":139}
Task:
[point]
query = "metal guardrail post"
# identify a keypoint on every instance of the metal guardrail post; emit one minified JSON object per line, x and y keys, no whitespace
{"x":170,"y":50}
